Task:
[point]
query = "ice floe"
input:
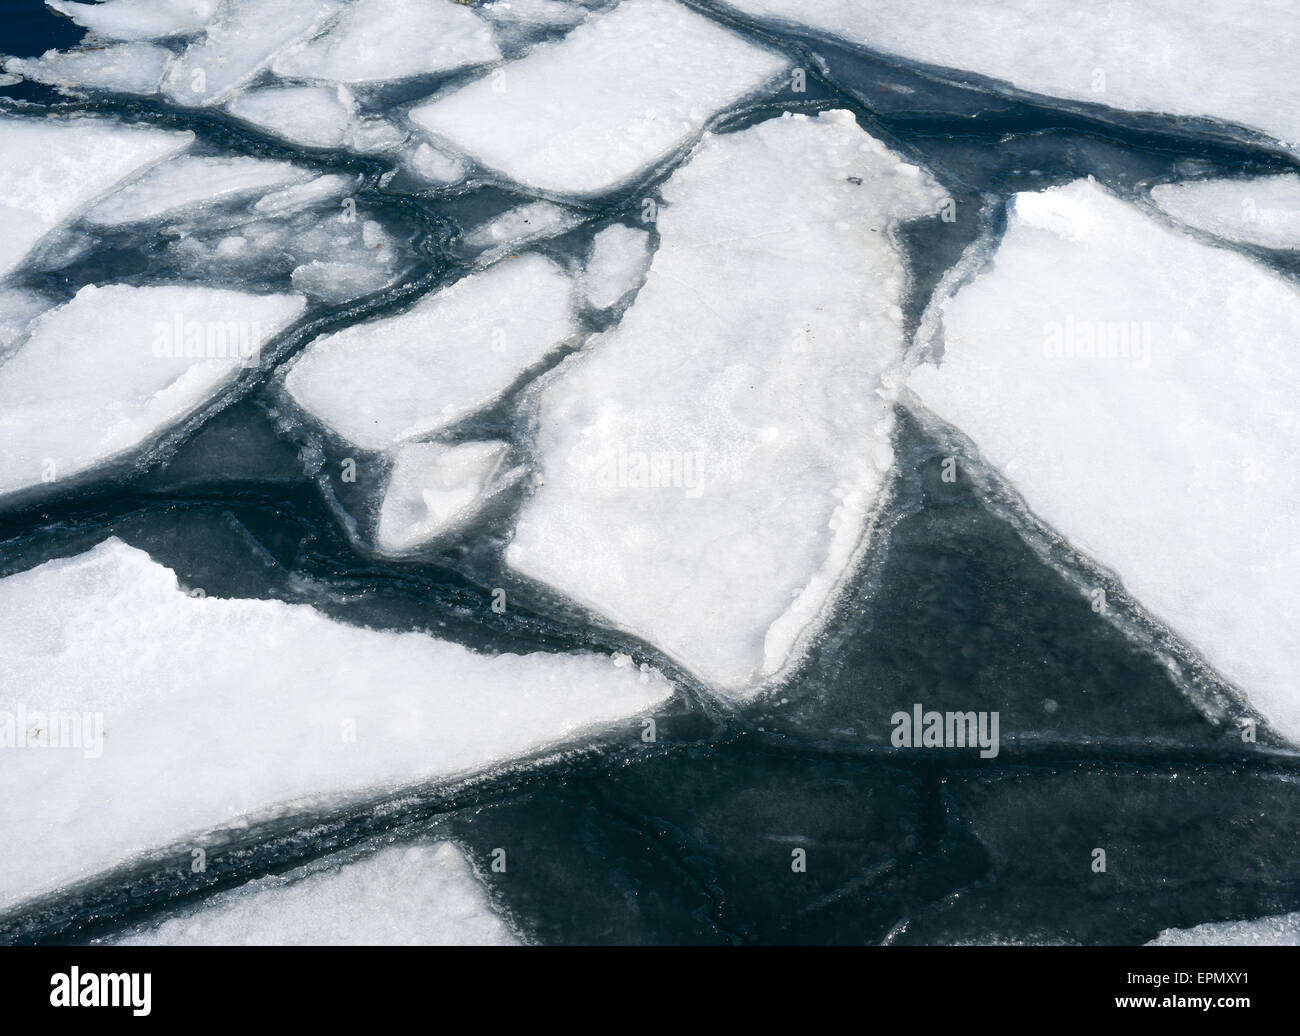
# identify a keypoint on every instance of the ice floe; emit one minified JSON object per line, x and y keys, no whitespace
{"x":51,"y":168}
{"x":151,"y":715}
{"x":1263,"y":210}
{"x":1137,"y":388}
{"x":139,"y":19}
{"x":313,"y":116}
{"x":104,"y":373}
{"x":435,"y":488}
{"x":378,"y":40}
{"x":1228,"y":62}
{"x":327,"y":187}
{"x":710,"y":466}
{"x":129,"y":68}
{"x":588,"y":112}
{"x":516,"y":227}
{"x":380,"y":382}
{"x":1280,"y":930}
{"x":616,"y":265}
{"x":417,"y":895}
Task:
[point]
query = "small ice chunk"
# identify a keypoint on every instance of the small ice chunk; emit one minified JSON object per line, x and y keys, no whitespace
{"x":378,"y":40}
{"x":616,"y":264}
{"x":337,"y":281}
{"x":551,"y":13}
{"x":435,"y":488}
{"x":314,"y":116}
{"x":518,"y":226}
{"x":239,"y":43}
{"x":1264,"y":210}
{"x":1279,"y":930}
{"x":435,"y":166}
{"x":51,"y":168}
{"x":191,"y":181}
{"x":139,"y":19}
{"x":583,"y":114}
{"x":107,"y":371}
{"x":128,"y":68}
{"x":305,"y":195}
{"x":709,"y":466}
{"x":416,"y":895}
{"x":453,"y":352}
{"x":188,"y":713}
{"x":1138,"y":387}
{"x":9,"y":79}
{"x":18,"y":308}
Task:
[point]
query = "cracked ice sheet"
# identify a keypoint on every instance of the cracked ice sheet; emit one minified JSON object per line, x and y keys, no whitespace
{"x":307,"y":713}
{"x":139,"y":19}
{"x":379,"y":40}
{"x":51,"y":168}
{"x":744,"y":382}
{"x":419,"y":895}
{"x":383,"y":381}
{"x":1168,"y":454}
{"x":595,"y":109}
{"x":1280,"y":930}
{"x":1232,"y":62}
{"x":129,"y":68}
{"x":1263,"y":210}
{"x":93,"y":379}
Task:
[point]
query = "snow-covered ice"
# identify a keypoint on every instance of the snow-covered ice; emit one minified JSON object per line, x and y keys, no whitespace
{"x":212,"y":710}
{"x":304,"y":195}
{"x":106,"y":372}
{"x":128,"y":68}
{"x":1137,"y":387}
{"x":377,"y":40}
{"x":1263,"y":210}
{"x":615,"y":265}
{"x":189,"y":181}
{"x":51,"y":168}
{"x":710,"y":466}
{"x":383,"y":381}
{"x":516,"y":227}
{"x":313,"y":116}
{"x":139,"y":19}
{"x":597,"y":108}
{"x":434,"y":488}
{"x":412,"y":895}
{"x":1280,"y":930}
{"x":1232,"y":62}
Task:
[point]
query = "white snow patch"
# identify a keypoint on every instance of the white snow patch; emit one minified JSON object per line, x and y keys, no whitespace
{"x":519,"y":226}
{"x":139,"y":19}
{"x":1263,"y":210}
{"x":616,"y":264}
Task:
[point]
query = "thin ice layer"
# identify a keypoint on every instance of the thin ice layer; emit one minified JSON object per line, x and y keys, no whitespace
{"x":1280,"y":930}
{"x":190,"y":181}
{"x":377,"y":40}
{"x":1233,"y":62}
{"x":435,"y":488}
{"x":1138,"y":388}
{"x":211,"y":710}
{"x":51,"y":168}
{"x":383,"y":381}
{"x":104,"y":373}
{"x":129,"y":68}
{"x":1262,"y":210}
{"x":585,"y":113}
{"x":139,"y":19}
{"x":709,"y":467}
{"x":417,"y":895}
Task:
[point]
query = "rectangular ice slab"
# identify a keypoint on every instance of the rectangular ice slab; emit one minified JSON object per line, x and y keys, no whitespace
{"x":1262,"y":210}
{"x":213,"y":710}
{"x":709,"y":467}
{"x":417,"y":895}
{"x":1138,"y":388}
{"x":590,"y":111}
{"x":51,"y":168}
{"x":1234,"y":62}
{"x":104,"y":373}
{"x":383,"y":381}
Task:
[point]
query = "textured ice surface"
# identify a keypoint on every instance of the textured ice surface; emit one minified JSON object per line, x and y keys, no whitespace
{"x":50,"y":169}
{"x":435,"y":166}
{"x":557,"y":13}
{"x":616,"y":264}
{"x":189,"y":181}
{"x":710,"y":466}
{"x":383,"y":381}
{"x":18,"y":308}
{"x":1232,"y":62}
{"x":414,"y":895}
{"x":435,"y":488}
{"x":585,"y":113}
{"x":375,"y":40}
{"x":1263,"y":210}
{"x":304,"y":195}
{"x":239,"y":42}
{"x":105,"y":372}
{"x":129,"y":68}
{"x":1137,"y":387}
{"x":1282,"y":930}
{"x":314,"y":116}
{"x":214,"y":709}
{"x":139,"y":19}
{"x":520,"y":225}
